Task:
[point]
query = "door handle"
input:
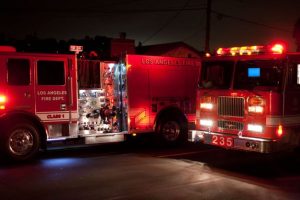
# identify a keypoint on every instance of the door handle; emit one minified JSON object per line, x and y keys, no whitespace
{"x":63,"y":106}
{"x":27,"y":94}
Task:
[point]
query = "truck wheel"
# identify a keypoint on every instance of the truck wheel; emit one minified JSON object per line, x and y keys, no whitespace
{"x":172,"y":131}
{"x":22,"y":141}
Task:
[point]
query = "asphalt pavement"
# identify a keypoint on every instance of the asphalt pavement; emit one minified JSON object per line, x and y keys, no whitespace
{"x":143,"y":171}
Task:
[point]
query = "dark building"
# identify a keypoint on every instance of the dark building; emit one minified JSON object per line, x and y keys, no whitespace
{"x":175,"y":49}
{"x":121,"y":46}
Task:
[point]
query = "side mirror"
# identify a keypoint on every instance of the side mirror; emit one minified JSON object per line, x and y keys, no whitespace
{"x":199,"y":84}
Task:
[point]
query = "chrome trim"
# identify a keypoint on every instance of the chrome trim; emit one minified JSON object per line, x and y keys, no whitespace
{"x":230,"y":125}
{"x":231,"y":106}
{"x":240,"y":143}
{"x":286,"y":120}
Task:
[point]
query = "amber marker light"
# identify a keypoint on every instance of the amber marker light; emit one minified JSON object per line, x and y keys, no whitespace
{"x":279,"y":131}
{"x":3,"y":100}
{"x":277,"y":48}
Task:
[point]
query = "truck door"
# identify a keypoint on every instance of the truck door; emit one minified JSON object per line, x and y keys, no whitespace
{"x":53,"y":89}
{"x":20,"y":83}
{"x":292,"y":94}
{"x":120,"y":80}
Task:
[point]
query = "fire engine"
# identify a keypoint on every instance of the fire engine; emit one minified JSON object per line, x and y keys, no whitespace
{"x":248,"y":99}
{"x":48,"y":99}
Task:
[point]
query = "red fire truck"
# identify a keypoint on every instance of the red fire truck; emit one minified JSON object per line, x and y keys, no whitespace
{"x":57,"y":99}
{"x":249,"y":99}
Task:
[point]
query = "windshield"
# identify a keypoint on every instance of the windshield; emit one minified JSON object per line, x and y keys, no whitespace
{"x":258,"y":74}
{"x":216,"y":75}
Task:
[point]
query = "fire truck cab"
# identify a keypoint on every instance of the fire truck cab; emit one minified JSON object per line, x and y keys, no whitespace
{"x":249,"y":99}
{"x":55,"y":99}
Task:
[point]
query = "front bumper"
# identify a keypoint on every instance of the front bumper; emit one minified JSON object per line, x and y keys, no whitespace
{"x":239,"y":142}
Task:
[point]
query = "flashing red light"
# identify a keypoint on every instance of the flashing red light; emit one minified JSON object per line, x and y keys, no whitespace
{"x":276,"y":48}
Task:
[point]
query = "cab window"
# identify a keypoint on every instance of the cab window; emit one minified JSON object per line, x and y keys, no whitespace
{"x":216,"y":75}
{"x":294,"y":76}
{"x":18,"y":72}
{"x":50,"y":72}
{"x":259,"y":75}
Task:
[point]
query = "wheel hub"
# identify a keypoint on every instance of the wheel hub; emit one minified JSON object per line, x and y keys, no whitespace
{"x":21,"y":142}
{"x":171,"y":130}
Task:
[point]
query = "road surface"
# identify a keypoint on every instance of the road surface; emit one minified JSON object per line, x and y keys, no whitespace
{"x":146,"y":171}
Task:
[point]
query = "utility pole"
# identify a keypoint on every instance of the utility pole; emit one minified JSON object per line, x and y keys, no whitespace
{"x":207,"y":30}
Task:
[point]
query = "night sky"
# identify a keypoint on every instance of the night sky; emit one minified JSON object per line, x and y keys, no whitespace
{"x":233,"y":22}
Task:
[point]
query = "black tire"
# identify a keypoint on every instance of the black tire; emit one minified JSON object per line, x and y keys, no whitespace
{"x":21,"y":141}
{"x":172,"y":130}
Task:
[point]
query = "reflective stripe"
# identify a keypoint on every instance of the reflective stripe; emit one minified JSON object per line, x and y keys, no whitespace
{"x":287,"y":120}
{"x":57,"y":116}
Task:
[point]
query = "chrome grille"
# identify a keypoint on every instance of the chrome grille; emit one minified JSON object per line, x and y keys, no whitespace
{"x":230,"y":125}
{"x":231,"y":106}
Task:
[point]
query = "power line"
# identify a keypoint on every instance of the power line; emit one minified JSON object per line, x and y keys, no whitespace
{"x":207,"y":29}
{"x":194,"y":34}
{"x":249,"y":21}
{"x":95,"y":11}
{"x":85,"y":11}
{"x":167,"y":23}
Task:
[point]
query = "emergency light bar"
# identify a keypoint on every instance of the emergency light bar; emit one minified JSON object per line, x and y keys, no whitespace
{"x":251,"y":50}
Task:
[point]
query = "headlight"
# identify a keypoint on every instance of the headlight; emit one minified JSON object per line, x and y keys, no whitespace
{"x":206,"y":102}
{"x":255,"y":128}
{"x":256,"y":104}
{"x":207,"y":106}
{"x":206,"y":122}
